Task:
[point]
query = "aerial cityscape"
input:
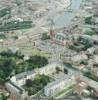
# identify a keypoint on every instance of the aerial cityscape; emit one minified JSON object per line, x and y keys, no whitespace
{"x":48,"y":49}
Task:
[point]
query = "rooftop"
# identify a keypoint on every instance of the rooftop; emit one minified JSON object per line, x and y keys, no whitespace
{"x":64,"y":78}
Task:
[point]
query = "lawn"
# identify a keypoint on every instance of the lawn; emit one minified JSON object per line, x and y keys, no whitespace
{"x":66,"y":90}
{"x":40,"y":53}
{"x":1,"y":98}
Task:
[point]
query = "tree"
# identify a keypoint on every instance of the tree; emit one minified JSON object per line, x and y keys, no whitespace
{"x":58,"y":69}
{"x":84,"y":62}
{"x":28,"y":83}
{"x":90,"y":32}
{"x":65,"y":71}
{"x":6,"y":67}
{"x":88,"y":20}
{"x":33,"y":86}
{"x":38,"y":61}
{"x":45,"y":36}
{"x":6,"y":53}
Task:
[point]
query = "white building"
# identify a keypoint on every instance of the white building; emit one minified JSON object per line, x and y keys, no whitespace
{"x":95,"y":59}
{"x":78,"y":58}
{"x":57,"y":86}
{"x":21,"y":78}
{"x":49,"y":69}
{"x":17,"y":93}
{"x":91,"y":50}
{"x":95,"y":20}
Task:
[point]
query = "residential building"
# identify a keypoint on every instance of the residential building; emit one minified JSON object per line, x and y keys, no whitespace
{"x":21,"y":78}
{"x":95,"y":59}
{"x":57,"y":86}
{"x":17,"y":93}
{"x":96,"y":49}
{"x":90,"y":50}
{"x":80,"y":85}
{"x":50,"y":68}
{"x":78,"y":58}
{"x":62,"y":39}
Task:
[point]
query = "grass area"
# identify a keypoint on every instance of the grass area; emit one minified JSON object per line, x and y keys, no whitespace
{"x":1,"y":98}
{"x":91,"y":76}
{"x":72,"y":97}
{"x":16,"y":25}
{"x":40,"y":53}
{"x":64,"y":91}
{"x":2,"y":49}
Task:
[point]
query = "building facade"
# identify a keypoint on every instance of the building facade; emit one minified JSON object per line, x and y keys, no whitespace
{"x":57,"y":86}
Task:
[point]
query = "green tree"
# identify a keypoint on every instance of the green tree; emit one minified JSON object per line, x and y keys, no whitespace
{"x":88,"y":20}
{"x":45,"y":36}
{"x":28,"y":83}
{"x":6,"y":67}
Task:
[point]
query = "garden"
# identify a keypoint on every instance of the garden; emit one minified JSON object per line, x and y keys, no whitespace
{"x":34,"y":86}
